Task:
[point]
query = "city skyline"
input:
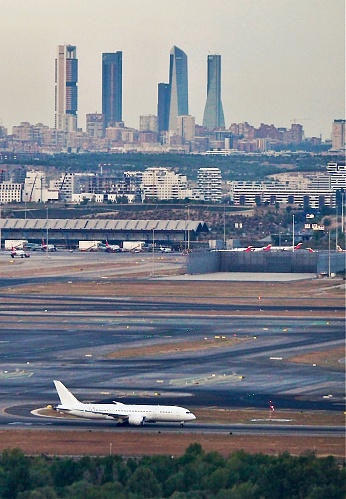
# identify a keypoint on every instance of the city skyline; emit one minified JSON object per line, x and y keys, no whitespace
{"x":282,"y":61}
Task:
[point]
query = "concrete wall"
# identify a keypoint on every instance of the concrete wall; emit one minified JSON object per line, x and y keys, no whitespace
{"x":275,"y":261}
{"x":203,"y":262}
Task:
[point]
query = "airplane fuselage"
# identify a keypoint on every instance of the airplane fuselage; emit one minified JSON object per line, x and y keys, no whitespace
{"x":131,"y":414}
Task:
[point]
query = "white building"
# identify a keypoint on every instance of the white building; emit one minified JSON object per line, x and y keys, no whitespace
{"x":337,"y":173}
{"x":313,"y":190}
{"x":272,"y":192}
{"x":210,"y":184}
{"x":10,"y":192}
{"x":36,"y":189}
{"x":100,"y":198}
{"x":34,"y":186}
{"x":161,"y":183}
{"x":67,"y":185}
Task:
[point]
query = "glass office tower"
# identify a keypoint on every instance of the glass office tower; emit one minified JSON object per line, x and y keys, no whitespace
{"x":213,"y":113}
{"x":112,"y":87}
{"x":163,"y":97}
{"x":178,"y":83}
{"x":66,"y":91}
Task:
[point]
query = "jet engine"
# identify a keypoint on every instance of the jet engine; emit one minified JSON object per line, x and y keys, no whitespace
{"x":136,"y":419}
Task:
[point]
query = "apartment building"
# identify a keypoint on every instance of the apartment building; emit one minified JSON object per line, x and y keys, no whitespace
{"x":210,"y":184}
{"x":10,"y":192}
{"x":313,"y":190}
{"x":161,"y":183}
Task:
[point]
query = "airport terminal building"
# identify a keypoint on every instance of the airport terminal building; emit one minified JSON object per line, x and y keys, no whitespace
{"x":68,"y":232}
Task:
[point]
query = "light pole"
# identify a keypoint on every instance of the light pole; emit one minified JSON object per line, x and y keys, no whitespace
{"x":280,"y":234}
{"x":342,"y":211}
{"x":224,"y":226}
{"x":336,"y":228}
{"x":188,"y":231}
{"x":47,"y":233}
{"x":185,"y":238}
{"x":329,"y":254}
{"x":293,"y":231}
{"x":153,"y":251}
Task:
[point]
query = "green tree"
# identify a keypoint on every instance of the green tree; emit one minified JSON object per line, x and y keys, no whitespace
{"x":39,"y":472}
{"x":65,"y":472}
{"x":15,"y":477}
{"x":217,"y":480}
{"x":245,"y":490}
{"x":39,"y":493}
{"x":174,"y":483}
{"x":144,"y":483}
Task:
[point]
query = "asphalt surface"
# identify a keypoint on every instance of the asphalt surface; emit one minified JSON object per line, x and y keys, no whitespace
{"x":68,"y":338}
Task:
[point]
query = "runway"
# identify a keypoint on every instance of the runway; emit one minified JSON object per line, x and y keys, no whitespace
{"x":46,"y":337}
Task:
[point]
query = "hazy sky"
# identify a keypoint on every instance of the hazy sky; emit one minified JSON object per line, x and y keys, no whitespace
{"x":281,"y":59}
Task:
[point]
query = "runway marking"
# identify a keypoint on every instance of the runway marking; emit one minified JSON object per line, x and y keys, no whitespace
{"x":276,"y":420}
{"x":15,"y":374}
{"x":213,"y":378}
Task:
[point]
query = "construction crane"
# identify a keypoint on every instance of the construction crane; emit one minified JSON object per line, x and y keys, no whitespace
{"x":32,"y":189}
{"x":294,"y":120}
{"x":62,"y":185}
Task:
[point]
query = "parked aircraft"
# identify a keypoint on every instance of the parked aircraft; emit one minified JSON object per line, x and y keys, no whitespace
{"x":247,"y":249}
{"x":47,"y":247}
{"x":287,"y":248}
{"x":264,"y":248}
{"x":129,"y":414}
{"x":111,"y":248}
{"x":270,"y":247}
{"x":19,"y":252}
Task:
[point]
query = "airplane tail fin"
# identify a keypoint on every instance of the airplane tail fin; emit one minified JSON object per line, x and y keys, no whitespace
{"x":66,"y":397}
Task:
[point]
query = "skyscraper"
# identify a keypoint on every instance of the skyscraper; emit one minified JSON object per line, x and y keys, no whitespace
{"x":178,"y":86}
{"x":213,"y":112}
{"x":112,"y":87}
{"x":66,"y":91}
{"x":339,"y":135}
{"x":163,"y":96}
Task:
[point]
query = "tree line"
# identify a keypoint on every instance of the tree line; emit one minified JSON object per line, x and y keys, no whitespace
{"x":194,"y":475}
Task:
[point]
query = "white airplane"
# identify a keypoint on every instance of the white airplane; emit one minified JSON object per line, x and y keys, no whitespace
{"x":287,"y":248}
{"x":129,"y":414}
{"x":247,"y":249}
{"x":264,"y":248}
{"x":112,"y":248}
{"x":47,"y":247}
{"x":19,"y":252}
